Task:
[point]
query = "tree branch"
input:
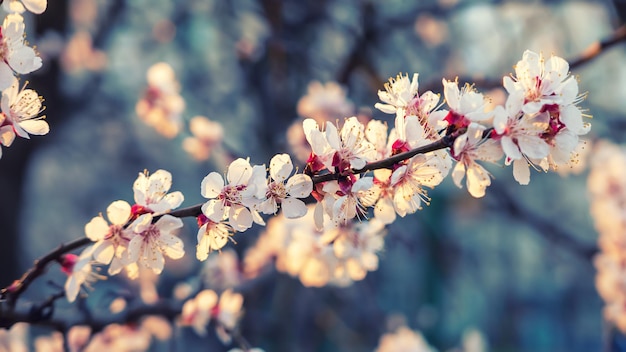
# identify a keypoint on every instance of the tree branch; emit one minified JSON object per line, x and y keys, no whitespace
{"x":12,"y":292}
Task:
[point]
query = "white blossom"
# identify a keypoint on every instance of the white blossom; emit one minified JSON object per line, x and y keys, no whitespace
{"x":21,"y":109}
{"x":151,"y":242}
{"x":111,"y":240}
{"x":150,"y":192}
{"x":232,"y":201}
{"x":284,"y":191}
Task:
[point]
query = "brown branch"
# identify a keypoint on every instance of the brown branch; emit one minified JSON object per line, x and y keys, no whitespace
{"x":548,"y":229}
{"x":599,"y":47}
{"x":12,"y":292}
{"x":443,"y":143}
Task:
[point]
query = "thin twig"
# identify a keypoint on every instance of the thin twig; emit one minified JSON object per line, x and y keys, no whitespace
{"x":12,"y":292}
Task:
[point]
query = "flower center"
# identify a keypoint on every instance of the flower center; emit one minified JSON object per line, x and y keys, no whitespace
{"x":231,"y":195}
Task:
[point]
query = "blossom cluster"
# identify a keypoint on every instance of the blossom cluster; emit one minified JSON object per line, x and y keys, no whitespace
{"x":133,"y":236}
{"x":336,"y":255}
{"x":607,"y":191}
{"x":21,"y":107}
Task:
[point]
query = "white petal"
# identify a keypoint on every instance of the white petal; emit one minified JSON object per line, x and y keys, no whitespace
{"x":572,"y":118}
{"x":280,"y":167}
{"x":168,"y":223}
{"x":240,"y":218}
{"x":451,"y":93}
{"x":142,"y":223}
{"x":458,"y":174}
{"x":521,"y":171}
{"x":172,"y":246}
{"x":7,"y":135}
{"x":214,"y":210}
{"x":299,"y":186}
{"x":386,"y":108}
{"x":6,"y":80}
{"x":134,"y":249}
{"x":533,"y":146}
{"x":104,"y":252}
{"x":118,"y":212}
{"x":477,"y":180}
{"x":384,"y":211}
{"x":510,"y":149}
{"x":239,"y":172}
{"x":212,"y":185}
{"x":37,"y":127}
{"x":96,"y":229}
{"x":24,"y":60}
{"x":293,"y":208}
{"x":36,"y":6}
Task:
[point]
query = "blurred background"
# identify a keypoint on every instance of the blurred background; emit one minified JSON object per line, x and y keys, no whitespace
{"x":516,"y":265}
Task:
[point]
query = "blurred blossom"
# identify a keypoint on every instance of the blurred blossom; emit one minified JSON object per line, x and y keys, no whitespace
{"x":578,"y":160}
{"x":337,"y":255}
{"x":14,"y":339}
{"x":474,"y":341}
{"x":207,"y":136}
{"x":81,"y":272}
{"x":222,"y":271}
{"x":84,"y":13}
{"x":607,"y":190}
{"x":161,"y":105}
{"x":120,"y":338}
{"x":49,"y":343}
{"x":323,"y":102}
{"x":199,"y":311}
{"x":117,"y":305}
{"x":164,"y":31}
{"x":433,"y":31}
{"x":78,"y":337}
{"x":158,"y":326}
{"x":79,"y":55}
{"x":254,"y":31}
{"x":148,"y":281}
{"x":405,"y":340}
{"x":182,"y":290}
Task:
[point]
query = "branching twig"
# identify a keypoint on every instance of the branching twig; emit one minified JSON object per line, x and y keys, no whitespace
{"x":12,"y":292}
{"x":549,"y":230}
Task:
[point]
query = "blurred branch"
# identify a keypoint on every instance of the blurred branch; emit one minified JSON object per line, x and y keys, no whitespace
{"x":591,"y":52}
{"x":599,"y":47}
{"x":547,"y":228}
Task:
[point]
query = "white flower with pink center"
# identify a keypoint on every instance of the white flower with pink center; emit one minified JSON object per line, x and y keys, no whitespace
{"x":211,"y":236}
{"x":466,"y":105}
{"x":15,"y":55}
{"x":520,"y":136}
{"x":80,"y":271}
{"x":284,"y":191}
{"x":543,"y":82}
{"x":21,"y":109}
{"x":343,"y":149}
{"x":152,"y":242}
{"x":232,"y":201}
{"x":468,"y":148}
{"x":111,"y":240}
{"x":408,"y":182}
{"x":349,"y":204}
{"x":401,"y":97}
{"x":150,"y":192}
